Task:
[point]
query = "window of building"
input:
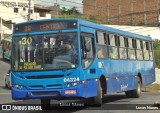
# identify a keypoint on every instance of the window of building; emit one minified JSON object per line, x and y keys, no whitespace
{"x":31,"y":11}
{"x":24,"y":9}
{"x":42,"y":14}
{"x":15,"y":10}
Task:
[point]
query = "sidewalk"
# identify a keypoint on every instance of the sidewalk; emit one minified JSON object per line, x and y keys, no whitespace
{"x":157,"y":76}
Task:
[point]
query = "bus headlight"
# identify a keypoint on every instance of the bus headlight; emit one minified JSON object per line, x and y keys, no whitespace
{"x":75,"y":83}
{"x":69,"y":85}
{"x":18,"y":86}
{"x":72,"y":84}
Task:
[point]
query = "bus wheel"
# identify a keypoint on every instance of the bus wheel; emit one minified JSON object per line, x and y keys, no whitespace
{"x":98,"y":98}
{"x":45,"y":104}
{"x":137,"y":92}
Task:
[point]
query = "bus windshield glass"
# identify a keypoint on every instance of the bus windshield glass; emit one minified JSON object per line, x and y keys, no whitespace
{"x":45,"y":52}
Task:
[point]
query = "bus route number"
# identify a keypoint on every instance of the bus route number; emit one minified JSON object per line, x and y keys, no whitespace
{"x":26,"y":40}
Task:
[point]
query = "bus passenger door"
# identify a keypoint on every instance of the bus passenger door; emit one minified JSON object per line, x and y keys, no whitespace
{"x":88,"y":61}
{"x":88,"y":55}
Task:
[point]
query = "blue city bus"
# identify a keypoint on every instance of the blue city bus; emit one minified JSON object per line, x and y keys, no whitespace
{"x":74,"y":58}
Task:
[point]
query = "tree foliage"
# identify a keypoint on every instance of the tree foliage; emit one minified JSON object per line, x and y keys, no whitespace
{"x":74,"y":13}
{"x":71,"y":11}
{"x":156,"y":46}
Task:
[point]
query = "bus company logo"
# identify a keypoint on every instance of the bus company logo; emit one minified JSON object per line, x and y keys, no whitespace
{"x":6,"y":107}
{"x":124,"y":87}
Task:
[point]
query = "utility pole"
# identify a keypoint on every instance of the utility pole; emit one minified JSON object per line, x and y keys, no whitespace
{"x":57,"y":8}
{"x":29,"y":11}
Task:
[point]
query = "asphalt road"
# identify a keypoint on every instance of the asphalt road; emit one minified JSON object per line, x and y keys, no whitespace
{"x":116,"y":103}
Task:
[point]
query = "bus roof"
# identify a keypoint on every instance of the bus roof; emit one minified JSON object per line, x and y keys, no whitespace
{"x":114,"y":30}
{"x":94,"y":25}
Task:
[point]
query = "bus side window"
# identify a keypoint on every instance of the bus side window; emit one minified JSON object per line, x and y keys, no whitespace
{"x":146,"y":50}
{"x":139,"y":50}
{"x":88,"y":49}
{"x":131,"y":49}
{"x":150,"y":51}
{"x":122,"y":48}
{"x":101,"y":45}
{"x":126,"y":42}
{"x":100,"y":37}
{"x":107,"y":40}
{"x":113,"y":49}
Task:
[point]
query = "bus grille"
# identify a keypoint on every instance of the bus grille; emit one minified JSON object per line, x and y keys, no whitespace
{"x":45,"y":93}
{"x":44,"y":76}
{"x":53,"y":86}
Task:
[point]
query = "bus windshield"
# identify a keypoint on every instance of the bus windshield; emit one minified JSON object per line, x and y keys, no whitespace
{"x":44,"y":52}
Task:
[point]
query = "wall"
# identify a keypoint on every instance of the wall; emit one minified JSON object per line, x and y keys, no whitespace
{"x":123,"y":12}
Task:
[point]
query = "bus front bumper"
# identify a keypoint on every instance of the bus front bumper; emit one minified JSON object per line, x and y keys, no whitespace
{"x":84,"y":90}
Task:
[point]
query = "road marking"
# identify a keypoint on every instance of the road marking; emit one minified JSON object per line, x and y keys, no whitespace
{"x":4,"y":93}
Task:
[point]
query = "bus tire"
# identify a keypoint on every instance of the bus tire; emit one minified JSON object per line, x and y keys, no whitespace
{"x":137,"y":92}
{"x":98,"y":98}
{"x":45,"y":104}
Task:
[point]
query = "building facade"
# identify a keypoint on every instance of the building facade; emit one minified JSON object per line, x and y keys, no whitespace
{"x":16,"y":11}
{"x":123,"y":12}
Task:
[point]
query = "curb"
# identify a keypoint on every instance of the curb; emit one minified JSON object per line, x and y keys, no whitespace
{"x":157,"y":104}
{"x":152,"y":91}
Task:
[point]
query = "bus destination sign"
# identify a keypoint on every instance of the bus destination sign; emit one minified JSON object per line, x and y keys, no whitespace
{"x":45,"y":26}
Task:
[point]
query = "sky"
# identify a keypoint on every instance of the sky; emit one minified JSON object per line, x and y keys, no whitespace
{"x":68,"y":3}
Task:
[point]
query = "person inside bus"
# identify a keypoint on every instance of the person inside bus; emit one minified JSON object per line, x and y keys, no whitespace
{"x":73,"y":54}
{"x":58,"y":47}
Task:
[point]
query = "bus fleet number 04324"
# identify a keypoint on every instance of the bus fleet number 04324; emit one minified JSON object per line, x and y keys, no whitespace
{"x":74,"y":79}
